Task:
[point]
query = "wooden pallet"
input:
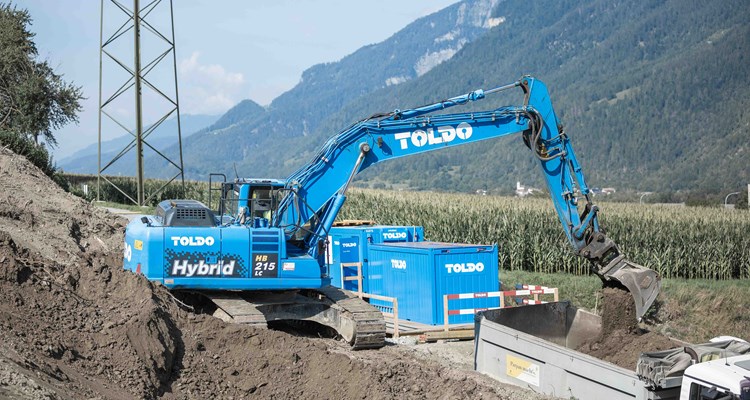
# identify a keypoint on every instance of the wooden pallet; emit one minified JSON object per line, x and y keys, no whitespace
{"x":354,"y":222}
{"x":428,"y":333}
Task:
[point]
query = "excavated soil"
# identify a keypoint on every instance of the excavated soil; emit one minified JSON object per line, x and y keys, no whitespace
{"x":618,"y":311}
{"x":75,"y":325}
{"x":621,"y":340}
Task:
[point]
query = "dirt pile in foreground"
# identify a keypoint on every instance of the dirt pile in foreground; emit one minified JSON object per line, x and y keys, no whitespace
{"x":74,"y":324}
{"x":621,"y":341}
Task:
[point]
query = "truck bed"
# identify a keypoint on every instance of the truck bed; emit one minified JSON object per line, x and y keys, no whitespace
{"x":534,"y":346}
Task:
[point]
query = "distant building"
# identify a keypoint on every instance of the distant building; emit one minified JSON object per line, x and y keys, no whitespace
{"x":608,"y":191}
{"x":523,"y":191}
{"x":481,"y":192}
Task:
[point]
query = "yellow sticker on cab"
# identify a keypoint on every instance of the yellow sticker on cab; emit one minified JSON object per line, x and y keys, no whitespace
{"x":138,"y":245}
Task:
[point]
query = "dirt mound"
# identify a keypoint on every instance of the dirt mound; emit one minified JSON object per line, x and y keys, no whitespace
{"x":621,"y":340}
{"x":74,"y":324}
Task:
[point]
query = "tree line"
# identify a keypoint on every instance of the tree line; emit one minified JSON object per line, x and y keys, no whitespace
{"x":34,"y":99}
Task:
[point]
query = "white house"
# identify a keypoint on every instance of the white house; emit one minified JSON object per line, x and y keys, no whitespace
{"x":522,"y":191}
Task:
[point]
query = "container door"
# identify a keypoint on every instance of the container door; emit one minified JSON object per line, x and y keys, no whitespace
{"x":472,"y":269}
{"x":411,"y":278}
{"x":405,"y":274}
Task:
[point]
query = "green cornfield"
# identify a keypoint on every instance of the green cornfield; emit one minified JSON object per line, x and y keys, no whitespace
{"x":678,"y":242}
{"x":197,"y":190}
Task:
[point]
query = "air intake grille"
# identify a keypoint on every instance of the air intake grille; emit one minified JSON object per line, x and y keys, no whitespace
{"x":265,"y":241}
{"x":185,"y":213}
{"x":190,"y":214}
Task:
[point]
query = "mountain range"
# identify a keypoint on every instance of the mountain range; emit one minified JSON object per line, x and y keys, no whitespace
{"x":654,"y":95}
{"x":86,"y":160}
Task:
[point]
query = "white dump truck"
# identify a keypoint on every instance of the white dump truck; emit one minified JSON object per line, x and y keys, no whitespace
{"x":533,"y":346}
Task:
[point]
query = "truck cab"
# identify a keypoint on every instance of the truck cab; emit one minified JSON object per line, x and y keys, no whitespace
{"x":720,"y":379}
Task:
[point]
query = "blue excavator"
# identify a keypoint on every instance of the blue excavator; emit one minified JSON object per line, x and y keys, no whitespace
{"x":261,"y":256}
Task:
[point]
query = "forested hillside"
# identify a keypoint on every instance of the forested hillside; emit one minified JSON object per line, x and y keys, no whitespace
{"x":266,"y":142}
{"x":654,"y":95}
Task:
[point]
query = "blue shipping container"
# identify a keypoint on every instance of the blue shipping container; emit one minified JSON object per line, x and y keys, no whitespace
{"x":419,"y":274}
{"x":349,"y":244}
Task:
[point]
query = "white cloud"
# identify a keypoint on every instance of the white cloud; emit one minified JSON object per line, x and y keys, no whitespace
{"x":208,"y":89}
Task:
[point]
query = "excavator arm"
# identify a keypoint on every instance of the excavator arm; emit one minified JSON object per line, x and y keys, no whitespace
{"x":317,"y":191}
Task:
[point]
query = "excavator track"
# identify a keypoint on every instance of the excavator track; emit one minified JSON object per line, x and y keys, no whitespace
{"x":369,"y":325}
{"x":358,"y":322}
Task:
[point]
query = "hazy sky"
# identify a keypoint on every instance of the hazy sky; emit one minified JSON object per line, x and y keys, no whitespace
{"x":227,"y":51}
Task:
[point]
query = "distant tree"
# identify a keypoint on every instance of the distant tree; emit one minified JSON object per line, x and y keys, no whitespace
{"x":34,"y":100}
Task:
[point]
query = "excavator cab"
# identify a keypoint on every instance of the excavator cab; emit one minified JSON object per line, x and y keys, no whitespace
{"x":263,"y":201}
{"x":251,"y":200}
{"x":260,"y":199}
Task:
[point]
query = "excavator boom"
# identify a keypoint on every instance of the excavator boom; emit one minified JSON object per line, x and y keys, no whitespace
{"x":272,"y":245}
{"x":321,"y":184}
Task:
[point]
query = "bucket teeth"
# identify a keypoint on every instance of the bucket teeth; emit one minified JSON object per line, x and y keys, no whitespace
{"x":643,"y":284}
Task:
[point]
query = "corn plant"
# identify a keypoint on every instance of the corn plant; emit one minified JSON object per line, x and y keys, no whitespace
{"x":677,"y":242}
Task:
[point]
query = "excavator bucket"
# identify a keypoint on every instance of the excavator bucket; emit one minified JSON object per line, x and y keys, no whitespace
{"x":643,"y":284}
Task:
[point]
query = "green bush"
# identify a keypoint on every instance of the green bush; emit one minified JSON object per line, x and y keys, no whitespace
{"x":194,"y":190}
{"x":36,"y":154}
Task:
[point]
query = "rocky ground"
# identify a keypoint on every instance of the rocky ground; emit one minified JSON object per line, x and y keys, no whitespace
{"x":75,"y":325}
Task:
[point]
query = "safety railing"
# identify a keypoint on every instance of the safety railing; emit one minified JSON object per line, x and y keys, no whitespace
{"x":526,"y":290}
{"x":393,"y":314}
{"x":357,"y":277}
{"x":361,"y":294}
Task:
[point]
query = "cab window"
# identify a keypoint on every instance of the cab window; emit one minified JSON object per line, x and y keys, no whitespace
{"x":263,"y":202}
{"x":700,"y":392}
